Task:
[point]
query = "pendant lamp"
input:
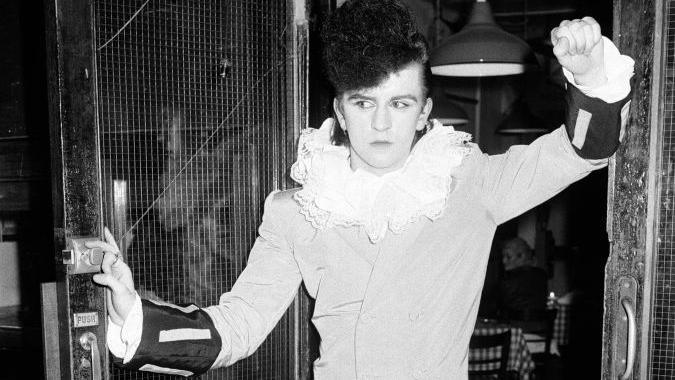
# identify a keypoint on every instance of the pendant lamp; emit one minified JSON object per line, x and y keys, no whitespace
{"x":482,"y":49}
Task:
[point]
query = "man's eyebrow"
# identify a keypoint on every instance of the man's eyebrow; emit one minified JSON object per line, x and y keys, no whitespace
{"x":358,"y":96}
{"x":405,"y":96}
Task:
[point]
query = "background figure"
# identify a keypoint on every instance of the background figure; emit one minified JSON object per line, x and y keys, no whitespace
{"x":202,"y":192}
{"x":523,"y":289}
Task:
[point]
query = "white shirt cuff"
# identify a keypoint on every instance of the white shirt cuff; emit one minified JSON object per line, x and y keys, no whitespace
{"x":619,"y":69}
{"x":123,"y":341}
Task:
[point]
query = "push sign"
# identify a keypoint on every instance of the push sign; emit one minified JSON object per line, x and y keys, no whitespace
{"x":85,"y":319}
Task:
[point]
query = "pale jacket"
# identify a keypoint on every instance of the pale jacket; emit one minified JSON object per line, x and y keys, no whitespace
{"x":406,"y":306}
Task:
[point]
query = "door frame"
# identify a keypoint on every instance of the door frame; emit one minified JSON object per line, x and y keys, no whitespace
{"x":632,"y":191}
{"x":75,"y":168}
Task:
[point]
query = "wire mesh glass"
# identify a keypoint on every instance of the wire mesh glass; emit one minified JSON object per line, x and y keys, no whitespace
{"x":193,"y":112}
{"x":662,"y":362}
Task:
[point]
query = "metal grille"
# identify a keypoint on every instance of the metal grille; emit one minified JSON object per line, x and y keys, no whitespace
{"x":663,"y":320}
{"x":193,"y":117}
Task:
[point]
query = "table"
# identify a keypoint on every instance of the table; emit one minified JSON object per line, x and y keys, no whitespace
{"x":519,"y":361}
{"x":561,"y":326}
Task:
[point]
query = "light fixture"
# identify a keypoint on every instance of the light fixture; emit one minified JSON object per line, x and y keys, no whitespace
{"x":521,"y":121}
{"x":481,"y":49}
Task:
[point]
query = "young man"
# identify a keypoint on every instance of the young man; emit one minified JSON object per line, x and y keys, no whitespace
{"x":391,"y":229}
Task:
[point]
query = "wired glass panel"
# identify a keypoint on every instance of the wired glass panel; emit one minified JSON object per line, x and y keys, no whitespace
{"x":663,"y":313}
{"x":193,"y":113}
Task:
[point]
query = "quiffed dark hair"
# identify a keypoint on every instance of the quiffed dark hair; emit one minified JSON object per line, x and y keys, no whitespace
{"x":366,"y":40}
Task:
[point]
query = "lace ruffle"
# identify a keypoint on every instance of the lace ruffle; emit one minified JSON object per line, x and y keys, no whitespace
{"x":334,"y":195}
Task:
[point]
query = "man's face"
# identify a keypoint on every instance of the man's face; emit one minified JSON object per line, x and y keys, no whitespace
{"x":381,"y":121}
{"x":511,"y":258}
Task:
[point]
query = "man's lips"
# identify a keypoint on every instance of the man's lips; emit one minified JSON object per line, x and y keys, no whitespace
{"x":381,"y":143}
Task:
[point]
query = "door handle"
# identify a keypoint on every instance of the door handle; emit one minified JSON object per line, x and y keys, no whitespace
{"x":630,"y":350}
{"x":624,"y":338}
{"x":89,"y":342}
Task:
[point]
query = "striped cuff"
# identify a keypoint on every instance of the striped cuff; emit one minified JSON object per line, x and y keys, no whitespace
{"x":594,"y":127}
{"x":175,"y":340}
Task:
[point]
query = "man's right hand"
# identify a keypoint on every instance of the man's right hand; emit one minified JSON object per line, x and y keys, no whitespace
{"x":116,"y":276}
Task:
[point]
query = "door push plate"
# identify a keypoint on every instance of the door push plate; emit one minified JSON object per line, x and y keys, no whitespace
{"x":81,"y":259}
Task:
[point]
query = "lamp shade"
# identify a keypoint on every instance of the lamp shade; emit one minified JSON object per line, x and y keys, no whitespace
{"x":521,"y":121}
{"x":482,"y":49}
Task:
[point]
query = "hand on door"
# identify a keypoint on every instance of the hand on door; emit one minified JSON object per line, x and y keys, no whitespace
{"x":116,"y":276}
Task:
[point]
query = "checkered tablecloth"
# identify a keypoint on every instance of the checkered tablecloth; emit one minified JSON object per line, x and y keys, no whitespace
{"x":519,"y":361}
{"x":561,"y":326}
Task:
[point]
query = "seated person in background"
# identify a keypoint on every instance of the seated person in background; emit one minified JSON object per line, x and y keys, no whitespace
{"x":524,"y":287}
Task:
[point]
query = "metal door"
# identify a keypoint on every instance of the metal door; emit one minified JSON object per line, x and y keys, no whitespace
{"x":171,"y":122}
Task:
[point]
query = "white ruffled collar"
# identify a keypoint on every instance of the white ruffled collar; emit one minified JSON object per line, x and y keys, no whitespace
{"x":333,"y":194}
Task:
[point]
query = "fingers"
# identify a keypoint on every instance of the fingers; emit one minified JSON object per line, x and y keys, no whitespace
{"x":581,"y":36}
{"x":115,"y":280}
{"x":116,"y":277}
{"x":119,"y":297}
{"x":595,"y":27}
{"x":108,"y":245}
{"x":562,"y":47}
{"x":111,"y":259}
{"x":110,"y":281}
{"x":114,"y":265}
{"x":109,"y":238}
{"x":564,"y":31}
{"x":116,"y":274}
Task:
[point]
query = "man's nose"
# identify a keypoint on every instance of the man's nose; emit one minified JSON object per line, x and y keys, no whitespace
{"x":381,"y":119}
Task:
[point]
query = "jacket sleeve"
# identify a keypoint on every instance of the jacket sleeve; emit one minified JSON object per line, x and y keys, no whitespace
{"x":526,"y":176}
{"x":188,"y":340}
{"x":264,"y":290}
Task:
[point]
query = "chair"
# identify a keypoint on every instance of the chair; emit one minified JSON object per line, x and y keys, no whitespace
{"x":502,"y":340}
{"x":539,"y":323}
{"x":536,"y":322}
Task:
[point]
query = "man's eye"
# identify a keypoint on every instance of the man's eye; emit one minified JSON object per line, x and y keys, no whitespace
{"x":363,"y":104}
{"x":399,"y":104}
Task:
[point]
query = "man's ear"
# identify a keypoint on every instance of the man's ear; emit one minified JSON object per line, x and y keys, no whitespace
{"x":424,"y":115}
{"x":337,"y":108}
